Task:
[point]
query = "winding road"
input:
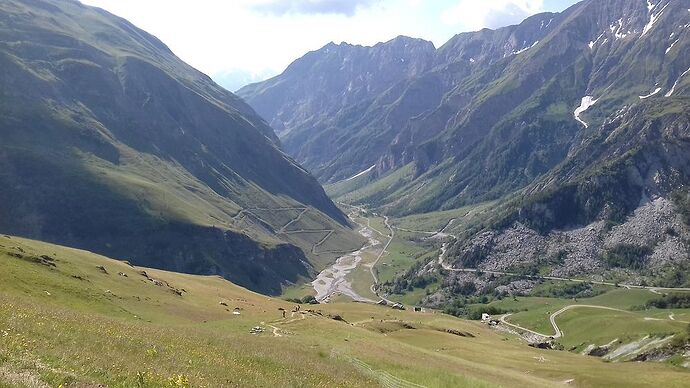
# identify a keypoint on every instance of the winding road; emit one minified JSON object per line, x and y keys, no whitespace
{"x":374,"y":286}
{"x":558,"y":333}
{"x":448,"y":267}
{"x":655,"y":290}
{"x":284,"y":230}
{"x":333,"y":279}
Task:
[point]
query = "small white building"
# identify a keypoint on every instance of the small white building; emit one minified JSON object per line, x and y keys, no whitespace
{"x":486,"y":317}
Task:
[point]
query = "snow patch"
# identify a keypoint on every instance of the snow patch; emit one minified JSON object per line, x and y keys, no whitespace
{"x":617,"y":30}
{"x":360,"y":174}
{"x":545,"y":25}
{"x":673,"y":89}
{"x":653,"y":18}
{"x":587,"y":102}
{"x":650,"y":94}
{"x":594,"y":42}
{"x":525,"y":49}
{"x":671,"y":46}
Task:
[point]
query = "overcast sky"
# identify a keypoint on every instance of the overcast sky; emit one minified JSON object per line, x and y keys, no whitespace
{"x":242,"y":41}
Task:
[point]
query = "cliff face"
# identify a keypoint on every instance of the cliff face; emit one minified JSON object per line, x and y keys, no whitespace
{"x":617,"y":204}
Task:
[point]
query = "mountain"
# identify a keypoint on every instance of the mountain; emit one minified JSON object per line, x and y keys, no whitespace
{"x":617,"y":207}
{"x":113,"y":144}
{"x":330,"y":107}
{"x":572,"y":125}
{"x":453,"y":118}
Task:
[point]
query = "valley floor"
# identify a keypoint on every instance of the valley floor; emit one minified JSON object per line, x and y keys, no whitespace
{"x":631,"y":333}
{"x":355,"y":275}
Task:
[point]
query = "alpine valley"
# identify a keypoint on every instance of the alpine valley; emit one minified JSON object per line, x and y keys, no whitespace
{"x":563,"y":141}
{"x":509,"y":209}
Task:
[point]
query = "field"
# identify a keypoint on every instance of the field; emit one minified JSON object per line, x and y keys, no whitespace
{"x":82,"y":321}
{"x":613,"y":317}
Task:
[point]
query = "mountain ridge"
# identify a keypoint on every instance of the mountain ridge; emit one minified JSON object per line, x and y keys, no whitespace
{"x":113,"y":144}
{"x":561,"y":122}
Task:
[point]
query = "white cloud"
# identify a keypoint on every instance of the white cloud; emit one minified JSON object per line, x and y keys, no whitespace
{"x":475,"y":15}
{"x":336,"y":7}
{"x":232,"y":37}
{"x":242,"y":39}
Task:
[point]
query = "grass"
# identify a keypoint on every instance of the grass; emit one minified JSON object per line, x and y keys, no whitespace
{"x":59,"y":323}
{"x":466,"y":218}
{"x":402,"y":255}
{"x":591,"y":326}
{"x":379,"y":225}
{"x":361,"y":278}
{"x":414,"y":297}
{"x":357,"y":191}
{"x":58,"y":326}
{"x":584,"y":325}
{"x":298,"y":291}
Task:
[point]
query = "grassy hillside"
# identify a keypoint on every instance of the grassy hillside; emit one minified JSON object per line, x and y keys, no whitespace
{"x":584,"y":324}
{"x":113,"y":144}
{"x":60,"y":308}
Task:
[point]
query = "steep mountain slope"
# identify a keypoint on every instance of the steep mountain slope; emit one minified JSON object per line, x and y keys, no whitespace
{"x":112,"y":143}
{"x":616,"y":207}
{"x":574,"y":123}
{"x":495,"y":110}
{"x":509,"y":123}
{"x":317,"y":104}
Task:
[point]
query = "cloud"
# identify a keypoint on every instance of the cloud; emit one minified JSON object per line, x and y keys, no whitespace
{"x":475,"y":15}
{"x":334,"y":7}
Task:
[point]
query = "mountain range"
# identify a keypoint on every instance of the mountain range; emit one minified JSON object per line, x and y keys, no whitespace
{"x":535,"y":177}
{"x":566,"y":123}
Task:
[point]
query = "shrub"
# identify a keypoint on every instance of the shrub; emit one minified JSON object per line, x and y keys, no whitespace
{"x":672,"y":301}
{"x":567,"y":290}
{"x":680,"y":340}
{"x":682,"y":201}
{"x":309,"y":299}
{"x":459,"y":308}
{"x":627,"y":256}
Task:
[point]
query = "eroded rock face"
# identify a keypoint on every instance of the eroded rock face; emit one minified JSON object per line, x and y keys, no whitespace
{"x":514,"y":246}
{"x":579,"y":249}
{"x":655,"y":226}
{"x":650,"y":223}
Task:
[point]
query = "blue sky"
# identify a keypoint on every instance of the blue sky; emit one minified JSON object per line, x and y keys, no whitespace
{"x":242,"y":41}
